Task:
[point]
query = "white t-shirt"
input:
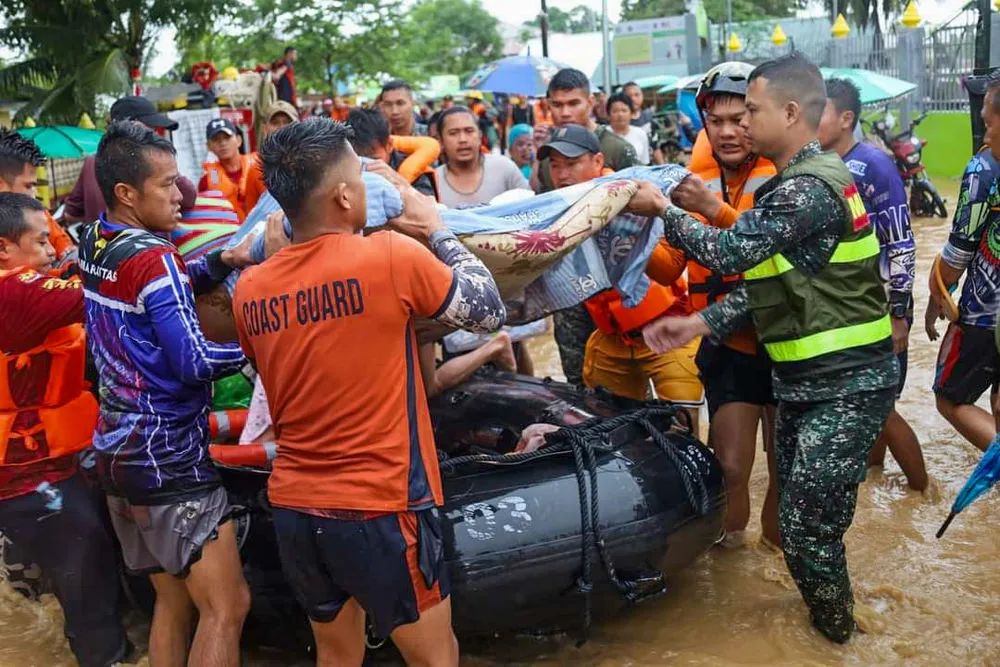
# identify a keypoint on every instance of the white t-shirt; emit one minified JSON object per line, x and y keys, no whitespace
{"x":638,"y":138}
{"x":500,"y":174}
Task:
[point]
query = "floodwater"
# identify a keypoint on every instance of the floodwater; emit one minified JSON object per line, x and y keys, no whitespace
{"x":923,"y":601}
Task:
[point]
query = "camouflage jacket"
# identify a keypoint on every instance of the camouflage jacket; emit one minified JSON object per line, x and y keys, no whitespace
{"x":800,"y":218}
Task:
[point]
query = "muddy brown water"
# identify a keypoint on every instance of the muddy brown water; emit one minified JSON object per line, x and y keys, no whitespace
{"x":924,"y":601}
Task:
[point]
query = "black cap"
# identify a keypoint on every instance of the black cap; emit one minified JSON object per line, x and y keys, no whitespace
{"x":133,"y":107}
{"x":217,"y":125}
{"x":571,"y":141}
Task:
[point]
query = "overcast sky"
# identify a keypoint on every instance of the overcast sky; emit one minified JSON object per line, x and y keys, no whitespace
{"x":519,"y":11}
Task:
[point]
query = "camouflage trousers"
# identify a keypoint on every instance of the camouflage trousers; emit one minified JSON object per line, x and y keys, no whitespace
{"x":822,"y":455}
{"x":572,"y":328}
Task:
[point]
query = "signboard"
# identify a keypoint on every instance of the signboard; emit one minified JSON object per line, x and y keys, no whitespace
{"x":651,"y":41}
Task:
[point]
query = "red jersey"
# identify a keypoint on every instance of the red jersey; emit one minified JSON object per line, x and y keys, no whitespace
{"x":33,"y":305}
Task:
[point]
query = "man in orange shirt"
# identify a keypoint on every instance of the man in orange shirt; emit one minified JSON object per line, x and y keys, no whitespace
{"x":230,"y":173}
{"x":736,"y":374}
{"x":19,"y":162}
{"x":329,"y":323}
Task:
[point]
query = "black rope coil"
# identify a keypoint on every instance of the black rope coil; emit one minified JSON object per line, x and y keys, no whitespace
{"x":582,"y":440}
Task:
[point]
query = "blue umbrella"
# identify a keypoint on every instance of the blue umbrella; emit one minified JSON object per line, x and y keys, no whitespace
{"x":980,"y":481}
{"x":516,"y":75}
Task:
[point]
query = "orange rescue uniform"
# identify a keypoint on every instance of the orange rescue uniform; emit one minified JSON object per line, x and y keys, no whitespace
{"x":216,"y":178}
{"x":704,"y":285}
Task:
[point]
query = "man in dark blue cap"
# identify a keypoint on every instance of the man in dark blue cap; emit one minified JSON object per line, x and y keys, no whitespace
{"x":230,"y":172}
{"x":85,"y":203}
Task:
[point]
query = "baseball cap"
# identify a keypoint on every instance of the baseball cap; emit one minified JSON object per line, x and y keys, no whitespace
{"x":978,"y":83}
{"x":217,"y":125}
{"x":284,"y":107}
{"x":570,"y":141}
{"x":134,"y":107}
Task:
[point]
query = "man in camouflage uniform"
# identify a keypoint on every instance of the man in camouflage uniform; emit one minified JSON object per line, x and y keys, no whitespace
{"x":809,"y":243}
{"x":571,"y":103}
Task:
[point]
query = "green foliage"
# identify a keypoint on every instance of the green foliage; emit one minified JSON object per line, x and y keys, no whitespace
{"x":76,"y":51}
{"x":743,"y":10}
{"x":348,"y":36}
{"x":446,"y":37}
{"x":865,"y":13}
{"x":579,"y":19}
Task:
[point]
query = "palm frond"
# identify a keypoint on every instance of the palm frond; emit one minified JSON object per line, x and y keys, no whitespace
{"x":30,"y":73}
{"x":51,"y":105}
{"x":106,"y":73}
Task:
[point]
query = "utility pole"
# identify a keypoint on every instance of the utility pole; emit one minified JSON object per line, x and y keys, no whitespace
{"x":545,"y":30}
{"x":983,"y":30}
{"x":604,"y":44}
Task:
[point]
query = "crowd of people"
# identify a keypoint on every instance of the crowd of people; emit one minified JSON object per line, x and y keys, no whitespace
{"x":780,"y":298}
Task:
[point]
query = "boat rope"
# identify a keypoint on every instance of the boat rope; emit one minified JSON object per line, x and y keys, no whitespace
{"x":582,"y":440}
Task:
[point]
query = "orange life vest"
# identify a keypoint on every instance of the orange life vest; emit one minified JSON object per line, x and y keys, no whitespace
{"x":236,"y":193}
{"x":706,"y":286}
{"x":67,"y":411}
{"x":611,"y":316}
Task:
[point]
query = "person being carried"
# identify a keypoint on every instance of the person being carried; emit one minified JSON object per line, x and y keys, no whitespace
{"x":355,"y":486}
{"x":48,"y":414}
{"x":230,"y":172}
{"x":807,"y":241}
{"x":968,"y":363}
{"x":165,"y":497}
{"x":412,"y":157}
{"x":616,"y":358}
{"x":468,"y":177}
{"x":570,"y":101}
{"x":884,"y":195}
{"x":736,"y":372}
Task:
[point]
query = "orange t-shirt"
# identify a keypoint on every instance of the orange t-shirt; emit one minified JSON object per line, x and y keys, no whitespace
{"x":329,"y":324}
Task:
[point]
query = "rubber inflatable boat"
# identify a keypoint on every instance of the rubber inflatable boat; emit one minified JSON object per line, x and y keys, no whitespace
{"x":599,"y":518}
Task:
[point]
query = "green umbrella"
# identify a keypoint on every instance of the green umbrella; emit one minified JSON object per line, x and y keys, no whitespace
{"x":874,"y":87}
{"x":681,"y":83}
{"x":63,"y":141}
{"x":657,"y":81}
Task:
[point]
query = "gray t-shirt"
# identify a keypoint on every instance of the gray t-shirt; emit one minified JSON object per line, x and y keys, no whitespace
{"x":500,"y":174}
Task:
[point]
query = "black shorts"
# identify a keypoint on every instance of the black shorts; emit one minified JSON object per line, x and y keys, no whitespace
{"x":968,"y":364}
{"x":730,"y":376}
{"x":392,"y":564}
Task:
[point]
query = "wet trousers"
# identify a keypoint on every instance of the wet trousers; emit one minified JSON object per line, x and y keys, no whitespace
{"x":572,"y":327}
{"x":77,"y":556}
{"x":822,"y":452}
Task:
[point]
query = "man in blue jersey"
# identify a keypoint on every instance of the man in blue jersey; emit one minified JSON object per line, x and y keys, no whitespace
{"x":166,"y":500}
{"x":884,"y":196}
{"x":968,"y":363}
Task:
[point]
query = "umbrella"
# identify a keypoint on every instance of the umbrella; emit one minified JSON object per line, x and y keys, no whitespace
{"x":516,"y":75}
{"x":63,"y":141}
{"x":658,"y":81}
{"x":874,"y":87}
{"x":982,"y":478}
{"x":683,"y":83}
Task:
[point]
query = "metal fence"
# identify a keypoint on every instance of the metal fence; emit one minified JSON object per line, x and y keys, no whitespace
{"x":949,"y":53}
{"x":936,"y":62}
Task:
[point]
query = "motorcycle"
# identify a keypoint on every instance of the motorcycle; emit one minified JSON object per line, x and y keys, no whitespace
{"x":907,"y":153}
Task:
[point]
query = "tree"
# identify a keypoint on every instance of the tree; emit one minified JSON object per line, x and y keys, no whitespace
{"x":579,"y":19}
{"x":75,"y":51}
{"x":447,"y":37}
{"x":334,"y":38}
{"x":743,"y":10}
{"x":866,"y":13}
